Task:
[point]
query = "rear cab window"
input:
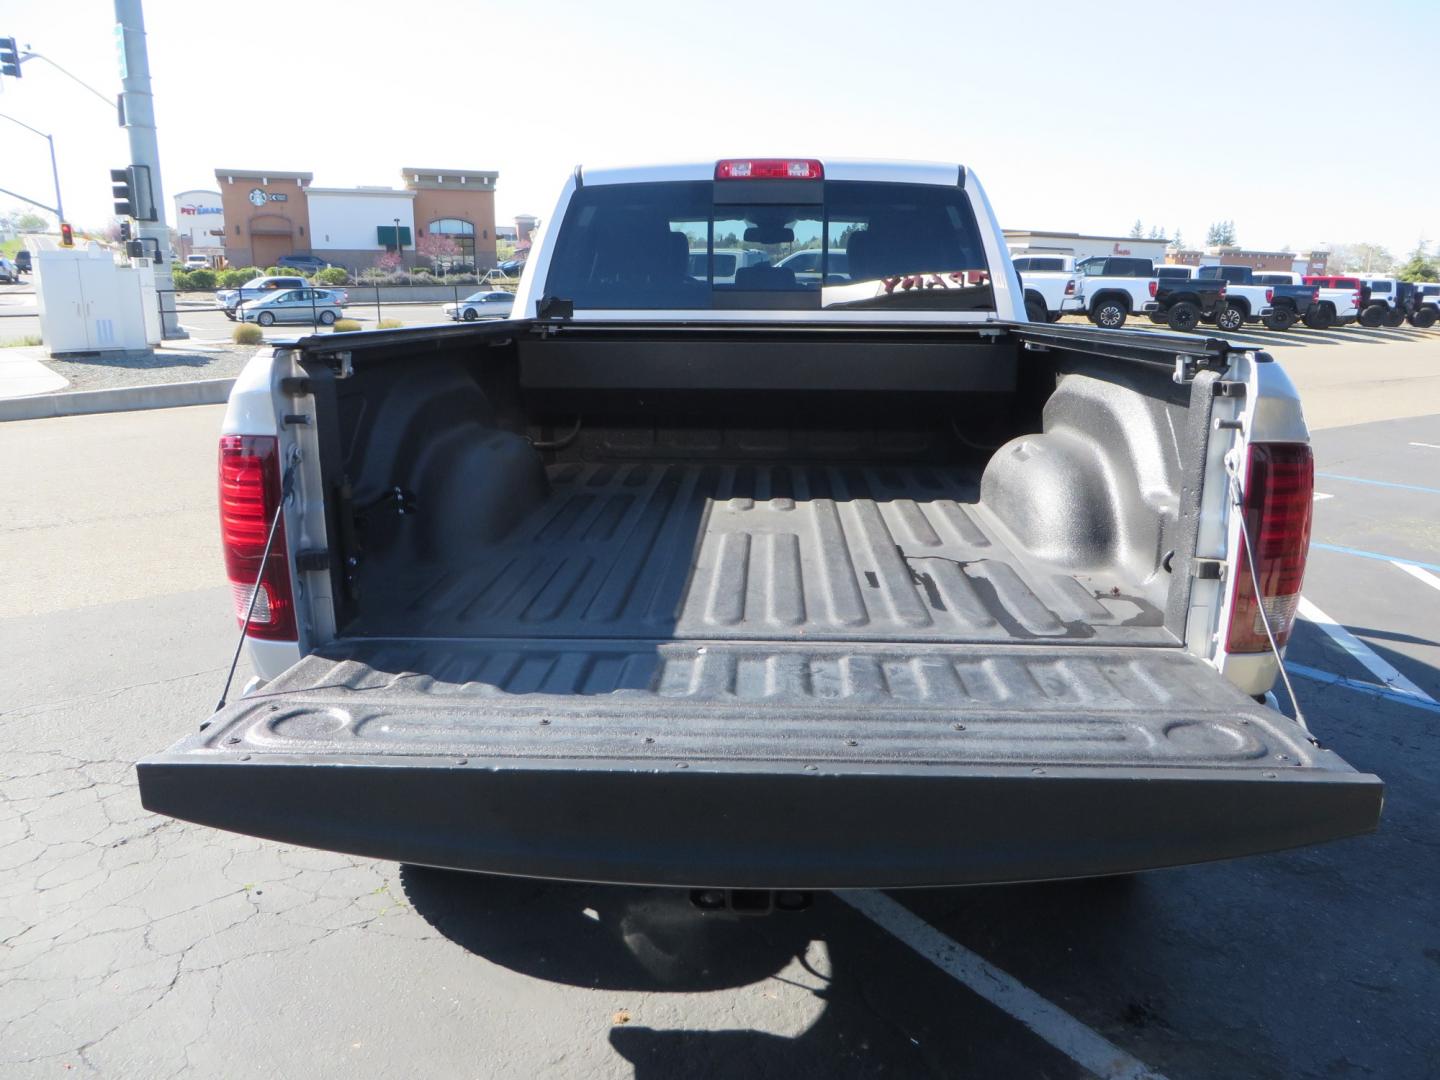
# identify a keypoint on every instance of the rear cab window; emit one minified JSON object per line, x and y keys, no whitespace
{"x":769,"y":245}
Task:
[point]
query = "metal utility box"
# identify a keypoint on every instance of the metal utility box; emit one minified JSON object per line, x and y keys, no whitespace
{"x":89,"y":305}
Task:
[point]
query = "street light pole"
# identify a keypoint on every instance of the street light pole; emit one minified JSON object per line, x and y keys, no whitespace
{"x":399,"y":247}
{"x":54,"y":172}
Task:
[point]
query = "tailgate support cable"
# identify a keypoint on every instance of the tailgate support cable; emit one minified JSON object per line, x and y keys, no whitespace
{"x":1249,"y":546}
{"x":287,"y":483}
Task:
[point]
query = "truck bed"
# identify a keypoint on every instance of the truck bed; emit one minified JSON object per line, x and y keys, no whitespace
{"x":758,"y":552}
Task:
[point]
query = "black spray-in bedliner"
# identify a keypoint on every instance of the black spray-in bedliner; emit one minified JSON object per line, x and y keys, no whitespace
{"x":757,"y":552}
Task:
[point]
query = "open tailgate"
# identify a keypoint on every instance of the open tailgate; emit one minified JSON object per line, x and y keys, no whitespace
{"x":761,"y":765}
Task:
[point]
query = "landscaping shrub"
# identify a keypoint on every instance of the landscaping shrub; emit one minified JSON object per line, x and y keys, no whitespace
{"x":181,"y":280}
{"x":332,"y":275}
{"x":388,"y":324}
{"x":343,"y":325}
{"x":199,"y":279}
{"x":247,"y":334}
{"x":233,"y":279}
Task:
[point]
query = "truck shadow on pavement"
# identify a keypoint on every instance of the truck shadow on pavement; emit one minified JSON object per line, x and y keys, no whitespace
{"x":868,"y":1005}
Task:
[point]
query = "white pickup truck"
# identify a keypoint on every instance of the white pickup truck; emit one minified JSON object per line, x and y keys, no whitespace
{"x":765,"y":584}
{"x":1332,"y":306}
{"x":1052,"y":287}
{"x":1116,"y":287}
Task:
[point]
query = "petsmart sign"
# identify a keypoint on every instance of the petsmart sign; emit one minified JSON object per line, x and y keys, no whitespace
{"x":198,"y":214}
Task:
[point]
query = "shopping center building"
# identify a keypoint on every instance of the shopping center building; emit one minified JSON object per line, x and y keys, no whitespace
{"x":268,"y":214}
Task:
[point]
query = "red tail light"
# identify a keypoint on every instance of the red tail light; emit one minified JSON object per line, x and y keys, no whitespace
{"x":1224,"y":286}
{"x":769,"y":169}
{"x":1357,"y":298}
{"x":1279,"y":497}
{"x":1315,"y":296}
{"x":1154,"y":288}
{"x":249,"y":497}
{"x":1070,"y":288}
{"x":1269,"y":295}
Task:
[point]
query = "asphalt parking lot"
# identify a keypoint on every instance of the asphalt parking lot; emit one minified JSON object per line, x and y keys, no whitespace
{"x":132,"y":945}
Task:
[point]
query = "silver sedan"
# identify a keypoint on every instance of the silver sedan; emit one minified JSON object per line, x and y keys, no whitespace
{"x":482,"y":305}
{"x":292,"y":305}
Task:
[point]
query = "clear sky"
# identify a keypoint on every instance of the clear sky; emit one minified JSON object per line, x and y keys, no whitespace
{"x":1303,"y":126}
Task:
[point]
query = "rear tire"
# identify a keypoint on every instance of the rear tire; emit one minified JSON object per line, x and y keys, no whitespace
{"x":1372,"y":316}
{"x":470,"y":315}
{"x":266,"y":318}
{"x":1393,"y":318}
{"x":1424,"y":318}
{"x":1280,"y":319}
{"x":1109,"y":314}
{"x":1036,"y":311}
{"x":1183,"y":316}
{"x":1229,"y":319}
{"x":327,"y":318}
{"x":1320,"y":318}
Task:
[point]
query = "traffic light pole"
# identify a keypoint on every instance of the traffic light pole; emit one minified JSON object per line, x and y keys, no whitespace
{"x":139,"y":108}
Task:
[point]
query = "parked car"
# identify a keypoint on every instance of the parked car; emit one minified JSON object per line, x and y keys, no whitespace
{"x":1185,"y":300}
{"x":1116,"y":287}
{"x":196,"y":262}
{"x":898,"y":591}
{"x":1386,"y":302}
{"x":22,"y":261}
{"x":806,"y":266}
{"x":292,"y":305}
{"x":310,"y":264}
{"x":511,"y":267}
{"x":1052,"y":286}
{"x":229,"y":299}
{"x":486,"y":304}
{"x":725,"y":262}
{"x":8,"y":272}
{"x":1330,"y":305}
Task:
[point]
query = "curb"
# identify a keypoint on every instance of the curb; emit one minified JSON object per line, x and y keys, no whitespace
{"x":120,"y":399}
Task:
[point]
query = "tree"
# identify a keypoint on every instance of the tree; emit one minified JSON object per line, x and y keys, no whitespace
{"x":1363,"y":258}
{"x":391,"y":260}
{"x":436,"y":247}
{"x":1157,"y":233}
{"x":1178,"y":243}
{"x":1137,"y":230}
{"x":1220,"y":234}
{"x":1419,"y":267}
{"x":28,"y":221}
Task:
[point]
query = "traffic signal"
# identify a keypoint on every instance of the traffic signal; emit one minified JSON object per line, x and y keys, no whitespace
{"x":67,"y":235}
{"x":133,"y":195}
{"x":124,"y":230}
{"x":124,"y":193}
{"x":9,"y":57}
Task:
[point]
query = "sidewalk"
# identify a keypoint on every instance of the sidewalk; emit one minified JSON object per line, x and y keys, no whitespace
{"x":22,"y":372}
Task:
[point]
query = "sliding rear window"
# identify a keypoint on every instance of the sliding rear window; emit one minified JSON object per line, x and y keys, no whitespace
{"x":715,"y":245}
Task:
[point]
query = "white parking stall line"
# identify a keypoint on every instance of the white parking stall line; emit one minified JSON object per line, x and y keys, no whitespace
{"x":1321,"y":495}
{"x":1427,"y":445}
{"x":1367,"y":656}
{"x":1419,"y":574}
{"x":1082,"y":1045}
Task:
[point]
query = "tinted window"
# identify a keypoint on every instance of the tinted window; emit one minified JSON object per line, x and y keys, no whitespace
{"x":1173,"y":273}
{"x":1032,"y":262}
{"x":633,"y":245}
{"x":1380,"y":286}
